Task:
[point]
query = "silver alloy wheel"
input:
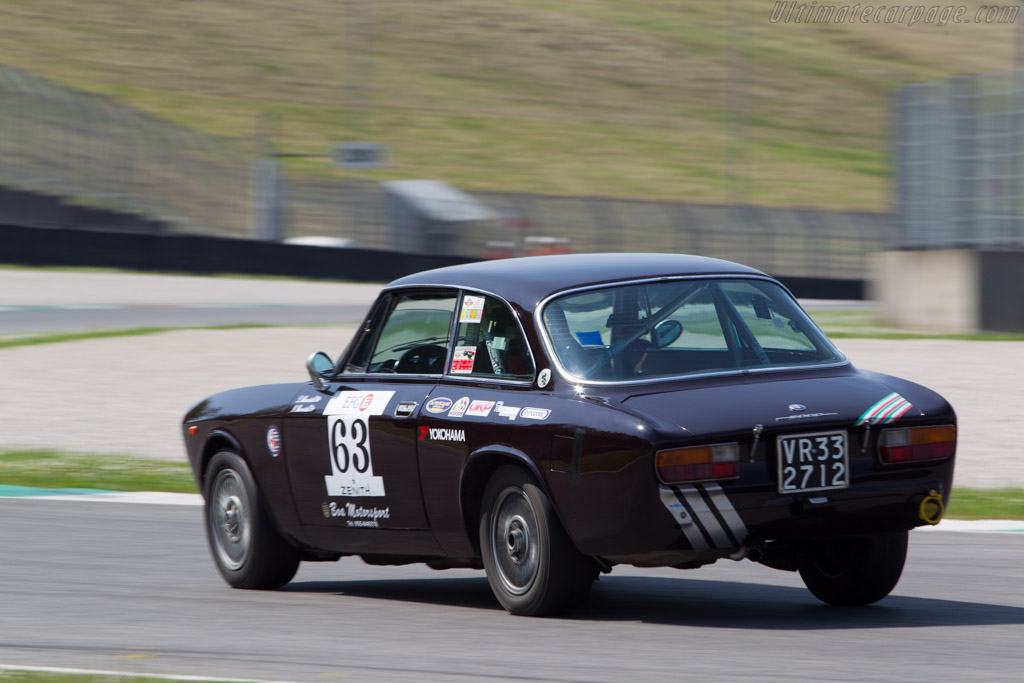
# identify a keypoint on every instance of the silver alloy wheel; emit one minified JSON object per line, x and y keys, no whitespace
{"x":230,"y":519}
{"x":514,"y":542}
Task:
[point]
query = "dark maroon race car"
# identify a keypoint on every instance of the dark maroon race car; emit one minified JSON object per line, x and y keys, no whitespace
{"x":548,"y":418}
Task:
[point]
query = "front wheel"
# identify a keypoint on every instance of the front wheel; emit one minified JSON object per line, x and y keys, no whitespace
{"x":533,"y":567}
{"x":245,"y":545}
{"x":856,"y":571}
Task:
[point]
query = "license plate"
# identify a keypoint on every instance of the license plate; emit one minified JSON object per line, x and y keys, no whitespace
{"x":813,"y":462}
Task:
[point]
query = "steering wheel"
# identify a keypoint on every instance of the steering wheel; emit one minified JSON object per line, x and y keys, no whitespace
{"x":425,"y":359}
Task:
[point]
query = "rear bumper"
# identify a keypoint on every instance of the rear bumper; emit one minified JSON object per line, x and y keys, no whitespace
{"x":702,"y":522}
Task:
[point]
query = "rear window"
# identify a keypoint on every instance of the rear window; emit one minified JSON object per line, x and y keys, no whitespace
{"x":682,"y":327}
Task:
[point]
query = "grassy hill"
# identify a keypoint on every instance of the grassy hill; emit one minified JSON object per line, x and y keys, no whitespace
{"x":703,"y":101}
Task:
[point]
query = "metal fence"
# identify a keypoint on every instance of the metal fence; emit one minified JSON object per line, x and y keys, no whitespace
{"x":960,"y":161}
{"x":795,"y":242}
{"x":90,"y":150}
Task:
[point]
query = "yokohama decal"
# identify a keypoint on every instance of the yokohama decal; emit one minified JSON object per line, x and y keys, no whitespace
{"x":889,"y":409}
{"x":441,"y":434}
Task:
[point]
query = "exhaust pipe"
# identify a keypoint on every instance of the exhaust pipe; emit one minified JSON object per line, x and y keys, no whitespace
{"x":932,"y":508}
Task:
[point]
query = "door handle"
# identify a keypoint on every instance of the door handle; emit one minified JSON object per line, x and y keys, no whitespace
{"x":405,"y":408}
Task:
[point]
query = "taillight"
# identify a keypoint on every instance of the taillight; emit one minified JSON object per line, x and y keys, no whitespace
{"x":917,"y":443}
{"x":699,"y":463}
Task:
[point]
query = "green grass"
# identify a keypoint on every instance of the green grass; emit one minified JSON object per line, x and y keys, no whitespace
{"x":699,"y":101}
{"x":6,"y":343}
{"x":850,"y":324}
{"x":986,"y":504}
{"x":14,"y":675}
{"x":54,"y":469}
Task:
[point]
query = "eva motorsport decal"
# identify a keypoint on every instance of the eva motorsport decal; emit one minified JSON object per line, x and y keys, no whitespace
{"x":889,"y":409}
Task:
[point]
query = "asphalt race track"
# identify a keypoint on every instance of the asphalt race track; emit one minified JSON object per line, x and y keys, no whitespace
{"x":129,"y":587}
{"x":42,"y":320}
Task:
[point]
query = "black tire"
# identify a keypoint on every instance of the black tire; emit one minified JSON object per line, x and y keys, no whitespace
{"x":533,"y":567}
{"x":856,"y":571}
{"x":245,"y":546}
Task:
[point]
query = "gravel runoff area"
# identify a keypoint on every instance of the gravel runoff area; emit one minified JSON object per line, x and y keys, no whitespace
{"x":128,"y":394}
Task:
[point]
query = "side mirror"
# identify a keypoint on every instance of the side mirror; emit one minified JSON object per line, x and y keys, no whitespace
{"x":667,"y":332}
{"x":317,"y":365}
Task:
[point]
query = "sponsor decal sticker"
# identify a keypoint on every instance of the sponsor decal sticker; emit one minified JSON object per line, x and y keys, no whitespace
{"x":459,"y":409}
{"x":442,"y":434}
{"x":438,"y":405}
{"x":472,"y":309}
{"x":303,"y":408}
{"x":535,"y":413}
{"x":355,"y":515}
{"x":308,"y":399}
{"x":348,"y":436}
{"x":511,"y":412}
{"x":480,"y":408}
{"x":889,"y":409}
{"x":462,"y":360}
{"x":274,"y":441}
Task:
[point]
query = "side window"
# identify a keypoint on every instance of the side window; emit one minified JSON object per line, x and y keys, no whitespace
{"x":414,"y":336}
{"x":770,"y":325}
{"x":361,"y":356}
{"x":489,"y":341}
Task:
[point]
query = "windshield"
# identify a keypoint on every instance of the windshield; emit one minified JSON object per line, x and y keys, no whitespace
{"x":682,"y":327}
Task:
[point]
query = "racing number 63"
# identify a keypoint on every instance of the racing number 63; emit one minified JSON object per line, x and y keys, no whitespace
{"x":348,"y":444}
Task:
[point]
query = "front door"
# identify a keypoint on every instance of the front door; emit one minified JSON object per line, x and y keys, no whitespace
{"x":353,"y":462}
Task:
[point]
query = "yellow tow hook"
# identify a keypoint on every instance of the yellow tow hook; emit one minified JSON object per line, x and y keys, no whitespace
{"x":932,"y":508}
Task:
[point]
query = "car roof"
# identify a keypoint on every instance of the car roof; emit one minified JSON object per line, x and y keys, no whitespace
{"x":530,"y":279}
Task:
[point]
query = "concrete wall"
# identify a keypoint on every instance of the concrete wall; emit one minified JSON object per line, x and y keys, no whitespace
{"x":22,"y":207}
{"x":951,"y":290}
{"x":202,"y":254}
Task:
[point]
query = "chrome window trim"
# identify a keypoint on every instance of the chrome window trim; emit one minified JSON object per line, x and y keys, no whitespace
{"x":451,"y":332}
{"x":489,"y":380}
{"x":455,"y":329}
{"x":573,"y":379}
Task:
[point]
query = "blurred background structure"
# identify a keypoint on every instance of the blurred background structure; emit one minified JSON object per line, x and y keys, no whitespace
{"x":802,"y":147}
{"x":960,"y":155}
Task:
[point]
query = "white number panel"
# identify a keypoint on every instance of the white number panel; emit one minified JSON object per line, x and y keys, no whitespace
{"x":348,"y":435}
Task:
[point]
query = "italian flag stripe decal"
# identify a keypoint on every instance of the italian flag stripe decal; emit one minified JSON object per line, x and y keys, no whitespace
{"x":889,"y":409}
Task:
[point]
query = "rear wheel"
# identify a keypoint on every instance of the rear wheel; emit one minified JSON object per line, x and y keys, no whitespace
{"x":856,"y":571}
{"x":245,"y":545}
{"x":533,"y":567}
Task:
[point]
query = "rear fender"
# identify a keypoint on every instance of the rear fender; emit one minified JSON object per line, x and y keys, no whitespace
{"x":480,"y":467}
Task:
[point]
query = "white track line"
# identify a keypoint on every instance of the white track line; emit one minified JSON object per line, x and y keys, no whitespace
{"x":132,"y":674}
{"x":978,"y":525}
{"x":148,"y":497}
{"x":194,"y":499}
